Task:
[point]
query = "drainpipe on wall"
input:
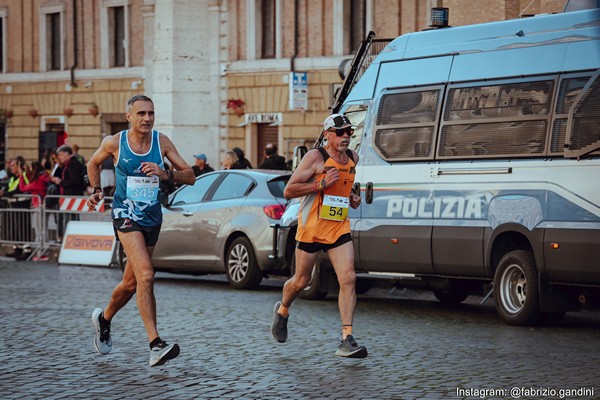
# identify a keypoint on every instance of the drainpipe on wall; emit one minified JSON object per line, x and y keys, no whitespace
{"x":73,"y":83}
{"x":293,"y":59}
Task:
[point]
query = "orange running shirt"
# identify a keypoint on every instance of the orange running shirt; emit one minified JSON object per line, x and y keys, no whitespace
{"x":325,"y":223}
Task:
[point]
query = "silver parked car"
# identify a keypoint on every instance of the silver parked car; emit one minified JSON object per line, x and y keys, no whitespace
{"x":221,"y":225}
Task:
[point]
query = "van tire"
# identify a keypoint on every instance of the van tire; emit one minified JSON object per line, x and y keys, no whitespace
{"x":516,"y":289}
{"x":450,"y":296}
{"x":243,"y":273}
{"x":313,"y":291}
{"x":363,"y":285}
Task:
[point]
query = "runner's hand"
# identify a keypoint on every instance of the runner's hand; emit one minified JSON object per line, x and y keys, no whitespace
{"x":354,"y":200}
{"x":93,"y":200}
{"x":150,"y":168}
{"x":332,"y":175}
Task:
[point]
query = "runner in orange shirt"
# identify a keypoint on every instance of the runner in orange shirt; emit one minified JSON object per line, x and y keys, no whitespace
{"x":324,"y":180}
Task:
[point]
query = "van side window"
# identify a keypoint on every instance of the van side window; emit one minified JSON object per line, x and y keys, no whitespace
{"x":569,"y":89}
{"x":583,"y":131}
{"x":357,"y":115}
{"x":507,"y":119}
{"x":406,"y":122}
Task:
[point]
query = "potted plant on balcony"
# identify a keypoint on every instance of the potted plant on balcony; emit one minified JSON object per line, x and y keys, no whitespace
{"x":94,"y":110}
{"x":68,"y":111}
{"x":237,"y":105}
{"x":33,"y":112}
{"x":5,"y":115}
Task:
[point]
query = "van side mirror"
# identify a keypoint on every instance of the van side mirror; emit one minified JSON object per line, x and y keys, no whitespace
{"x":299,"y":152}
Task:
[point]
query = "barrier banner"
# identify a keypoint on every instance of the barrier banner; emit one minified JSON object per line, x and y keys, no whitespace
{"x":88,"y":243}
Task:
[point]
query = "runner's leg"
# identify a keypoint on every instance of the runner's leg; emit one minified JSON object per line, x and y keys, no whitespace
{"x":304,"y":266}
{"x":342,"y":258}
{"x":138,"y":272}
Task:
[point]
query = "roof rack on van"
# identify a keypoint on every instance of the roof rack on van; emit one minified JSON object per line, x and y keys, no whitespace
{"x":366,"y":53}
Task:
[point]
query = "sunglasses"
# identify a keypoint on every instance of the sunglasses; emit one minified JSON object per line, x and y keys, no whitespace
{"x":340,"y":132}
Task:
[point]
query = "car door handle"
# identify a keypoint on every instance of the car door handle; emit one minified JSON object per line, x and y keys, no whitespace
{"x":369,"y":193}
{"x":188,"y":214}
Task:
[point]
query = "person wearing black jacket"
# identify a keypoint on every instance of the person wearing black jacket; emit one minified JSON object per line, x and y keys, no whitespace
{"x":71,"y":181}
{"x":242,"y":162}
{"x":272,"y":159}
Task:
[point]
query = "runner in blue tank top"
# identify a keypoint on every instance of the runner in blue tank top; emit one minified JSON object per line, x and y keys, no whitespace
{"x":138,"y":156}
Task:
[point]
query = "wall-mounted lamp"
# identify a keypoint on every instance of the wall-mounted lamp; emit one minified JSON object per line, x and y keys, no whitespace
{"x":136,"y":84}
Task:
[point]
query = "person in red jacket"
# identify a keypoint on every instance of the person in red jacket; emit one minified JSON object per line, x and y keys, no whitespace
{"x":38,"y":182}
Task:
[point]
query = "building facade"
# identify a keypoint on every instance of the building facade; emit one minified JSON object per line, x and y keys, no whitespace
{"x":67,"y":67}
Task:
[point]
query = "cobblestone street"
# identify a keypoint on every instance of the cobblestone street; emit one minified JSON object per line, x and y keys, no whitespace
{"x":418,"y":348}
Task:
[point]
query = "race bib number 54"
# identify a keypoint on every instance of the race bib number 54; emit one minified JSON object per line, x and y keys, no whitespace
{"x":335,"y":208}
{"x":142,"y":188}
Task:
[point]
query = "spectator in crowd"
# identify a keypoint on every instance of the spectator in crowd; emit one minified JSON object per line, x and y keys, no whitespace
{"x":20,"y":221}
{"x":201,"y":166}
{"x":18,"y":172}
{"x":38,"y":182}
{"x":5,"y":173}
{"x":77,"y":155}
{"x":72,"y":181}
{"x":272,"y":159}
{"x":48,"y":161}
{"x":229,"y":160}
{"x":242,"y":162}
{"x":37,"y":185}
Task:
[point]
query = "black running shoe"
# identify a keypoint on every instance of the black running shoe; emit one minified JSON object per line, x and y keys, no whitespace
{"x":279,"y":325}
{"x":349,"y":348}
{"x":163,"y":352}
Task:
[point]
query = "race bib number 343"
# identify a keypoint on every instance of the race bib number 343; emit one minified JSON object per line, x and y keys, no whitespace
{"x":335,"y":208}
{"x":142,"y":188}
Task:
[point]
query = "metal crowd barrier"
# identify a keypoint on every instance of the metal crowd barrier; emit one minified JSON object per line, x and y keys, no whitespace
{"x":25,"y":223}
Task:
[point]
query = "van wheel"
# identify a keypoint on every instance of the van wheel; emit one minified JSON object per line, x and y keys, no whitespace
{"x":241,"y":266}
{"x":516,"y":288}
{"x":313,"y":291}
{"x":363,"y":285}
{"x":450,"y":296}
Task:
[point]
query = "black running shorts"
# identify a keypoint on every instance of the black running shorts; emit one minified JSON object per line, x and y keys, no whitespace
{"x":126,"y":225}
{"x":314,"y":247}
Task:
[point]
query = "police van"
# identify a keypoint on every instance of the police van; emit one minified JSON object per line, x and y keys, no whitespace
{"x":479,"y":163}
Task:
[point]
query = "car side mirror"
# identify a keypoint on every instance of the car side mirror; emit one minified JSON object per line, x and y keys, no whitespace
{"x":163,"y":199}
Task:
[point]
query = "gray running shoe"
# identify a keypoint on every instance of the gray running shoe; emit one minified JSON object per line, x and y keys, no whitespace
{"x":163,"y":352}
{"x":349,"y":348}
{"x":102,"y":341}
{"x":279,"y":325}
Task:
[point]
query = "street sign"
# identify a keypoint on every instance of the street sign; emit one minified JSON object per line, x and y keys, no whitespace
{"x":298,"y":91}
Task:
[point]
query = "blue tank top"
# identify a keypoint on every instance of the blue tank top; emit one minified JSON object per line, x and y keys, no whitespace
{"x":136,"y":195}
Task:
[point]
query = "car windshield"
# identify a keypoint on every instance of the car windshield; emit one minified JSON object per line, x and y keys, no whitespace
{"x":195,"y":193}
{"x":277,"y":185}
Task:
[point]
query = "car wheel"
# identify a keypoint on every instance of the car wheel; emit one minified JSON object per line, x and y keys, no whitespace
{"x":516,"y":289}
{"x":241,"y":266}
{"x":450,"y":296}
{"x":313,"y":291}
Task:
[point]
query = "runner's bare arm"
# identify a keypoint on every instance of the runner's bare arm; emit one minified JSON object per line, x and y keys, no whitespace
{"x":301,"y":182}
{"x":182,"y":172}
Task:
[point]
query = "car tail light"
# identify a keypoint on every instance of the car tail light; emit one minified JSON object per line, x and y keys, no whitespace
{"x":274,"y":211}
